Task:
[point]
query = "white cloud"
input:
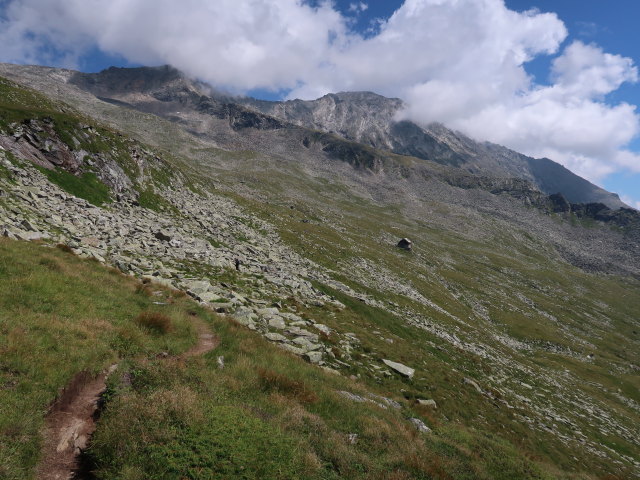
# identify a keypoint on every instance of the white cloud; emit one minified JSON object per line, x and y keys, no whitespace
{"x":239,"y":43}
{"x":460,"y":62}
{"x":358,"y":7}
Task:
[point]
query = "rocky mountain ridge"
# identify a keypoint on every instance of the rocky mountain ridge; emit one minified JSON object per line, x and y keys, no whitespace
{"x":362,"y":117}
{"x":374,"y":120}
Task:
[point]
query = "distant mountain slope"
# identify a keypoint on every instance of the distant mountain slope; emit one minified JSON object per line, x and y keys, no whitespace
{"x":371,"y":119}
{"x":363,"y":117}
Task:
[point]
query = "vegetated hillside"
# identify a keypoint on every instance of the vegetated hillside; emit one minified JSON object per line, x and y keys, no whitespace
{"x":524,"y":354}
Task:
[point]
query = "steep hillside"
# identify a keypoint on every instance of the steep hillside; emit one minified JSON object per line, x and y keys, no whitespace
{"x":495,"y":348}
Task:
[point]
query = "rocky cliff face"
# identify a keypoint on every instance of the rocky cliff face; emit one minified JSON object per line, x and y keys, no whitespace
{"x":373,"y":120}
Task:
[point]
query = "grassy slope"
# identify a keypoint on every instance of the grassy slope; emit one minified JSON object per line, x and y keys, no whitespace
{"x":19,"y":104}
{"x":265,"y":415}
{"x":561,"y":312}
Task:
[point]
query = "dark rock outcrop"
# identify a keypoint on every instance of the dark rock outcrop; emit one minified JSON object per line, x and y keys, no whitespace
{"x":405,"y":244}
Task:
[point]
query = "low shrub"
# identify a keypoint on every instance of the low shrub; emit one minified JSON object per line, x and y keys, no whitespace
{"x":155,"y":321}
{"x":64,"y":247}
{"x":273,"y":381}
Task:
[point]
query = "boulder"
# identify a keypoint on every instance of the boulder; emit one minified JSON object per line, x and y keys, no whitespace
{"x":400,"y":368}
{"x":323,"y":328}
{"x":291,"y":348}
{"x":305,"y":344}
{"x":208,"y":297}
{"x":405,"y":244}
{"x":197,"y":287}
{"x":275,"y":337}
{"x":244,"y":315}
{"x":420,"y":425}
{"x":28,"y":226}
{"x":275,"y":321}
{"x":314,"y":357}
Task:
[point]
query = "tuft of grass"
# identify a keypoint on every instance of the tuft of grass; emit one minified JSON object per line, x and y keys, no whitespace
{"x":155,"y":321}
{"x":276,"y":382}
{"x":64,"y":248}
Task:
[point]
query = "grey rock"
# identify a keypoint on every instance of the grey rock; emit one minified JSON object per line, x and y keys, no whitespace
{"x":314,"y":357}
{"x":291,"y":348}
{"x":385,"y":400}
{"x":305,"y":344}
{"x":400,"y":368}
{"x":385,"y":403}
{"x":352,"y":396}
{"x":208,"y":297}
{"x":323,"y":328}
{"x":245,"y":316}
{"x":28,"y":226}
{"x":420,"y":425}
{"x":275,"y":337}
{"x":197,"y":287}
{"x":276,"y":321}
{"x":468,"y":381}
{"x":301,"y":332}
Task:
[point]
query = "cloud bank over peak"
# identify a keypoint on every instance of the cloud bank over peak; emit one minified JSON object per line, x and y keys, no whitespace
{"x":459,"y":62}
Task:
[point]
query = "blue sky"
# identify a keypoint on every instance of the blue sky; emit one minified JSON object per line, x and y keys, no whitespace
{"x":480,"y":66}
{"x":614,"y":26}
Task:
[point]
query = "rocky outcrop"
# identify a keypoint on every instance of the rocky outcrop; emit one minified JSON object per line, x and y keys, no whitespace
{"x":373,"y":120}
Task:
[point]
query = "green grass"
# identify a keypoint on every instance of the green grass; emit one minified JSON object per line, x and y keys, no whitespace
{"x":148,"y":198}
{"x":263,"y":393}
{"x":86,"y":186}
{"x":59,"y":316}
{"x":267,"y":414}
{"x":559,"y":307}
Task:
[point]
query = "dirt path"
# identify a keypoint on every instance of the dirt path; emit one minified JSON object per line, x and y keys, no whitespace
{"x":207,"y":341}
{"x":72,"y":419}
{"x":70,"y":425}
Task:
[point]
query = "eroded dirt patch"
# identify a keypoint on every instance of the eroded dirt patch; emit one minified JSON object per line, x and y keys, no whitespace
{"x":72,"y":418}
{"x":69,"y":425}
